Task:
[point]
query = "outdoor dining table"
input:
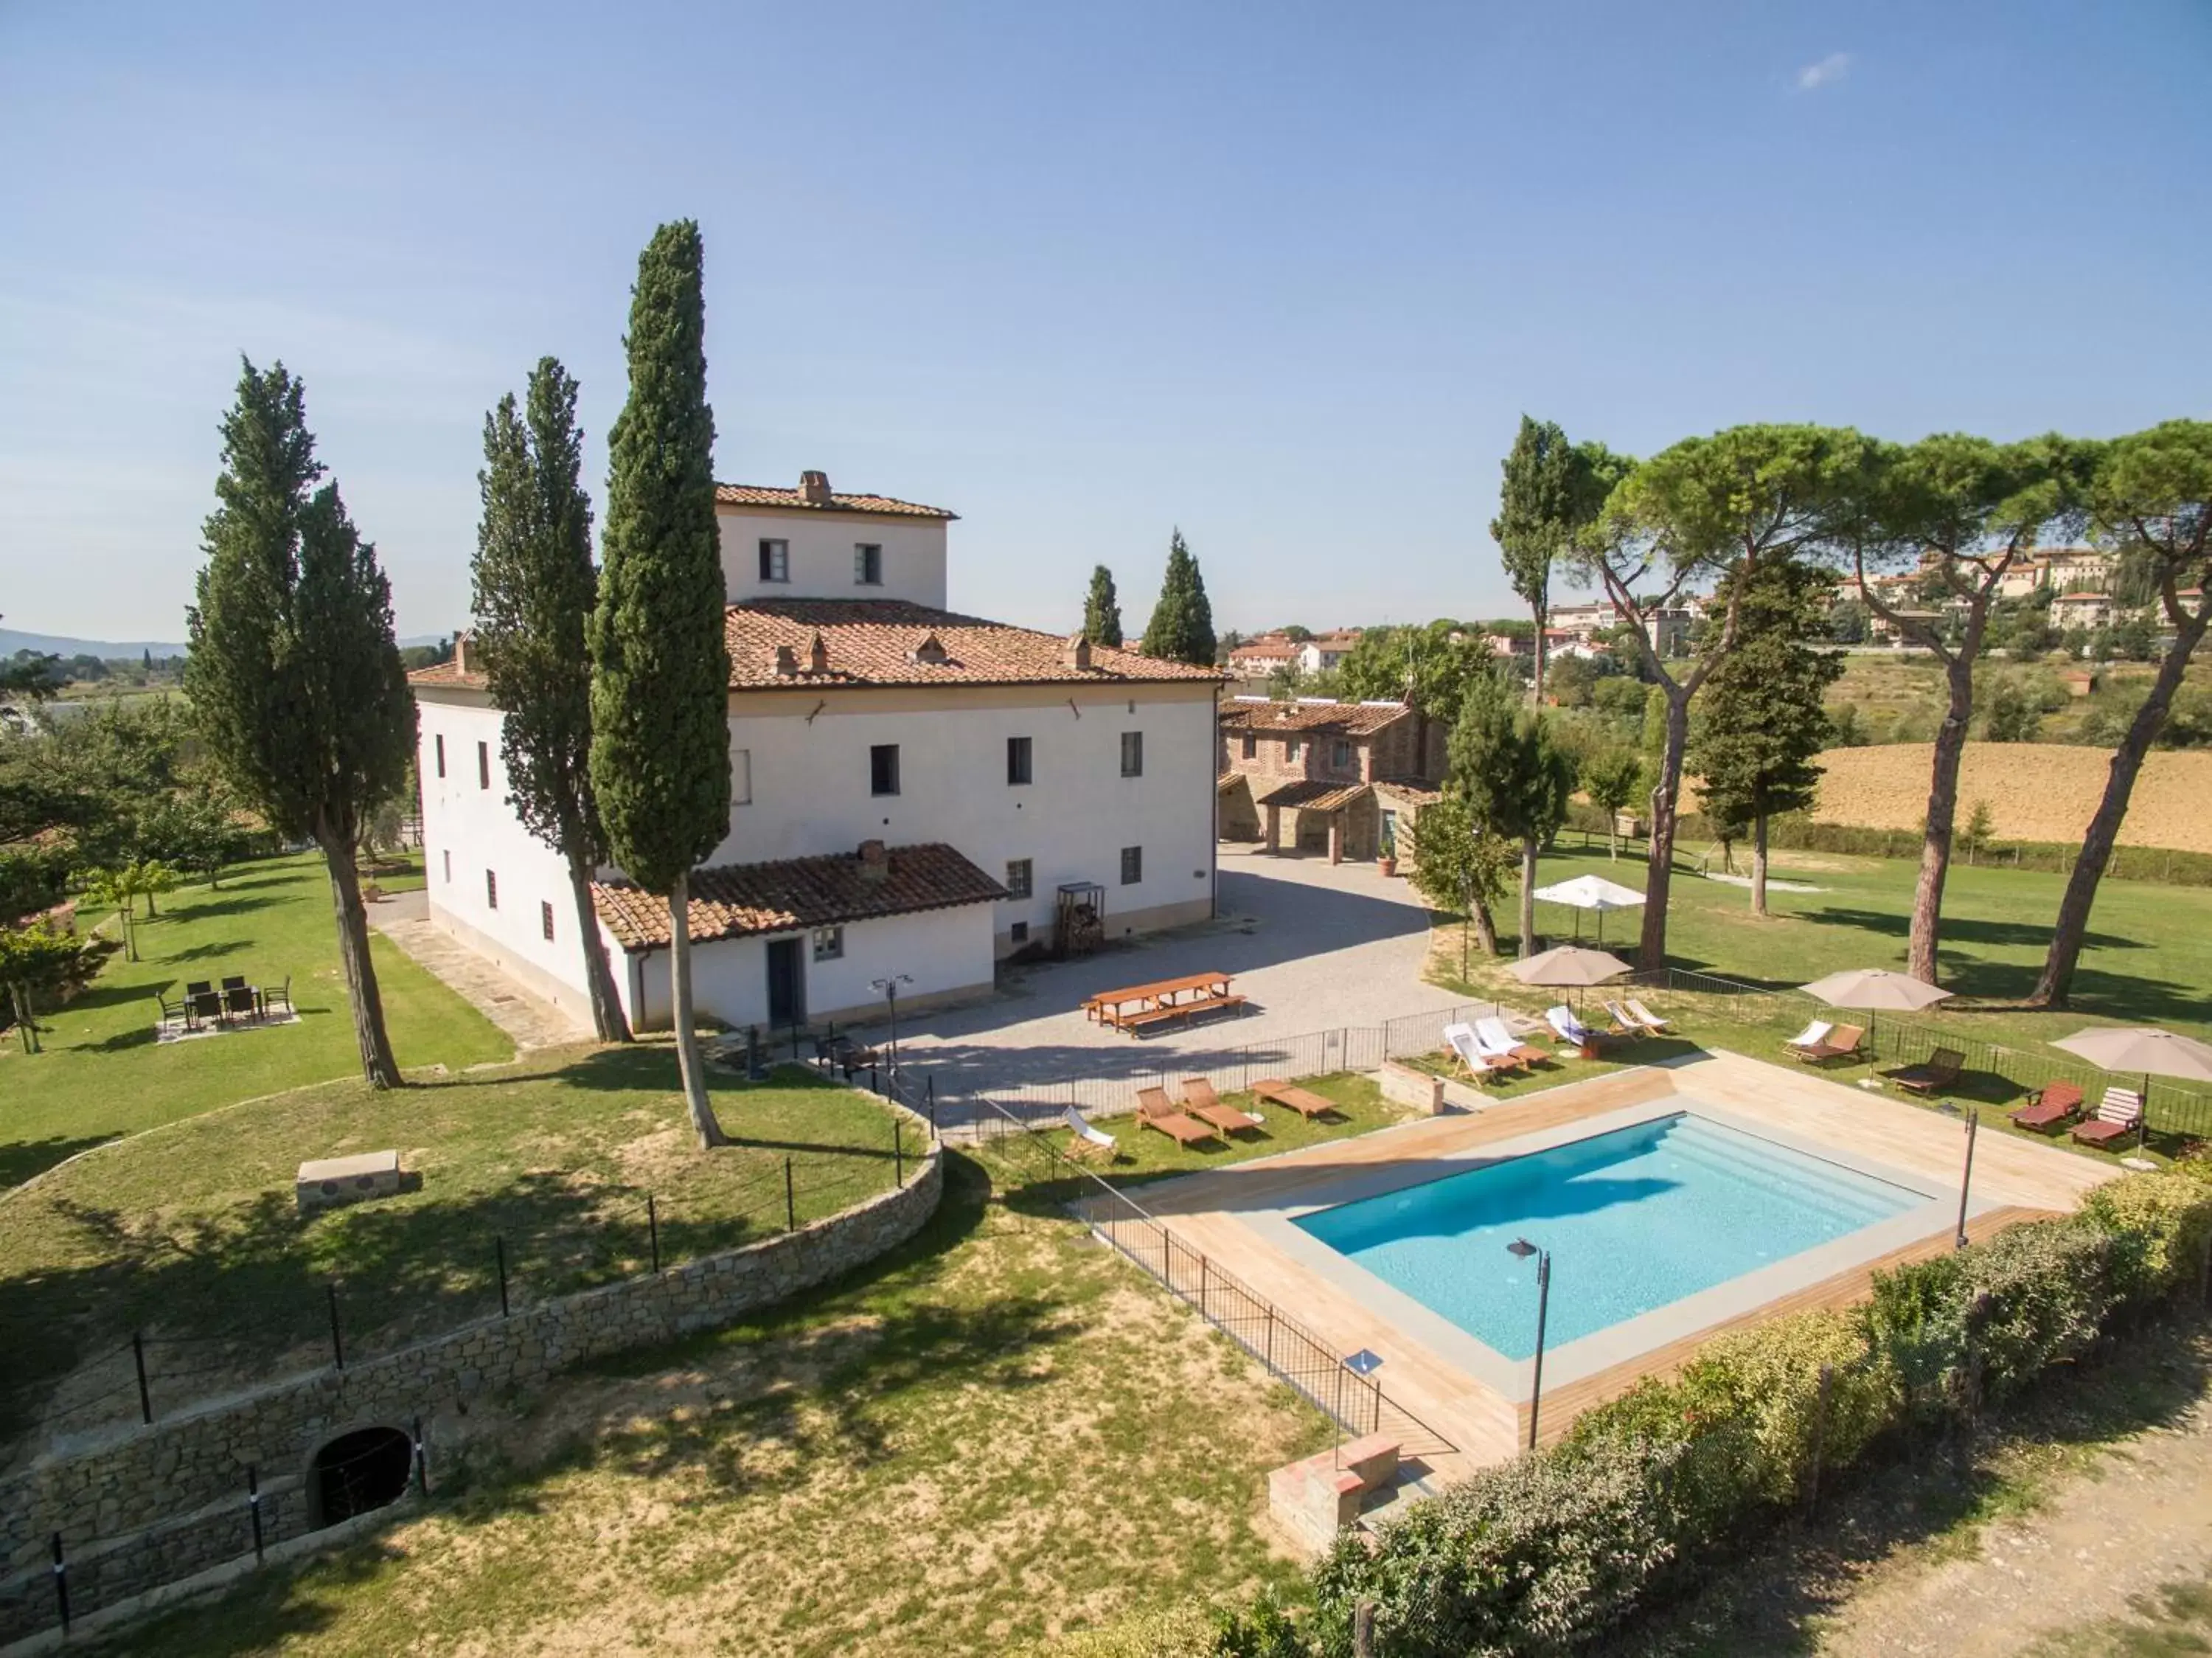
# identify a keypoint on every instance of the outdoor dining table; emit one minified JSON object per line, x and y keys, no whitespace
{"x":1140,"y":1006}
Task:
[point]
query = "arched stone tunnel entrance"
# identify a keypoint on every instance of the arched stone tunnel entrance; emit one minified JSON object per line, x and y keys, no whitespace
{"x":356,"y":1473}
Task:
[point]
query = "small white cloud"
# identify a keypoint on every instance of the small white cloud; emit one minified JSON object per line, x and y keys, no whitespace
{"x":1829,"y":70}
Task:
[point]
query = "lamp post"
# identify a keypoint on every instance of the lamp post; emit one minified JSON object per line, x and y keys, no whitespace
{"x":1967,"y":1176}
{"x":1522,"y":1248}
{"x":889,"y":986}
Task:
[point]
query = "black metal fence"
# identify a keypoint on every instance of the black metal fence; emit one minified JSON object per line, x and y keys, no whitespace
{"x":1290,"y":1351}
{"x":289,"y":1321}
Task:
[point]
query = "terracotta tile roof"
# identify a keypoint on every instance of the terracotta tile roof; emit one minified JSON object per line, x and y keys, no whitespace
{"x":767,"y":495}
{"x":1341,"y":719}
{"x":1227,"y":780}
{"x":891,"y":642}
{"x":739,"y":899}
{"x":882,"y":642}
{"x":1420,"y":792}
{"x":1313,"y":794}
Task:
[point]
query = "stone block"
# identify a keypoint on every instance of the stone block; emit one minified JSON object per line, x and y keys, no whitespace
{"x":1402,"y":1085}
{"x":325,"y":1183}
{"x":1316,"y":1497}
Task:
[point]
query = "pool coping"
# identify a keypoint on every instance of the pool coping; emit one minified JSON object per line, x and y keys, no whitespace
{"x":1274,"y":1223}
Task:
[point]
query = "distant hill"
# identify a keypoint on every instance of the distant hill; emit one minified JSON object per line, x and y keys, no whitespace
{"x":114,"y":649}
{"x":107,"y":649}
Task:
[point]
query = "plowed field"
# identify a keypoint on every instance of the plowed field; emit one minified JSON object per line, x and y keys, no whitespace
{"x":2036,"y":791}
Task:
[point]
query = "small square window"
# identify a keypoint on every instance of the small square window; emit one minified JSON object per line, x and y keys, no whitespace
{"x":829,"y":943}
{"x":775,"y":561}
{"x":1020,"y":883}
{"x":1018,"y":761}
{"x":1132,"y":865}
{"x":1251,"y":747}
{"x":741,"y":776}
{"x":1019,"y":932}
{"x":545,"y":921}
{"x":1289,"y":750}
{"x":484,"y":765}
{"x":867,"y":565}
{"x":491,"y":888}
{"x":1341,"y":754}
{"x":449,"y":863}
{"x":1133,"y":754}
{"x":440,"y":741}
{"x":883,"y":768}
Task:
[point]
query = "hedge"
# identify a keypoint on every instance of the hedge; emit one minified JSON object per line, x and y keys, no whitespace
{"x":1542,"y":1555}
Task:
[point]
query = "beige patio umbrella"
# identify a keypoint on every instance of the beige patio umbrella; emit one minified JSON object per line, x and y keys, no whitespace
{"x":2127,"y":1049}
{"x":1591,"y":892}
{"x":1872,"y":990}
{"x":1569,"y":965}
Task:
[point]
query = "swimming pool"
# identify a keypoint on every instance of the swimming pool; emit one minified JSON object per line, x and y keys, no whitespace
{"x":1634,"y":1219}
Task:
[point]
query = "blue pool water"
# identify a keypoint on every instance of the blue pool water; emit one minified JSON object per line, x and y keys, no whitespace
{"x":1634,"y":1219}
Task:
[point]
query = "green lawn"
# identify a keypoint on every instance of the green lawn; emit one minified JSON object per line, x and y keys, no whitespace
{"x":190,"y":1233}
{"x":102,"y":1074}
{"x":2148,"y":961}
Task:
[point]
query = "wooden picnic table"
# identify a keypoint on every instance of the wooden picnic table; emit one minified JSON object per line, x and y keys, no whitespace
{"x":1143,"y":1007}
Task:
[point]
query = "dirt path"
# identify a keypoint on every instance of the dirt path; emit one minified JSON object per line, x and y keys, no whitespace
{"x":2136,"y":1518}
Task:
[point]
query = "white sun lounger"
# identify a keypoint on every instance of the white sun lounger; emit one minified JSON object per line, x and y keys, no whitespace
{"x":1086,"y":1137}
{"x":1463,"y":1043}
{"x":1491,"y":1035}
{"x":1815,"y":1034}
{"x":1651,"y":1022}
{"x":1567,"y":1027}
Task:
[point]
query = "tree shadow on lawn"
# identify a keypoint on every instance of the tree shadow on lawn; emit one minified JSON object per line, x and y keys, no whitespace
{"x":268,"y":1611}
{"x":1773,"y":1596}
{"x":22,"y":1159}
{"x":1962,"y":930}
{"x":232,"y":901}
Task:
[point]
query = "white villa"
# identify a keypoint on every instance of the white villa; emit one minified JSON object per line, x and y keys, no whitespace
{"x":911,"y":789}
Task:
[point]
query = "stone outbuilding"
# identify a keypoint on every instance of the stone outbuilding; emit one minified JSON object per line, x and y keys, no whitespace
{"x":1349,"y":776}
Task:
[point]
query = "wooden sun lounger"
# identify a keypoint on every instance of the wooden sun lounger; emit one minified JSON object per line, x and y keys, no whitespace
{"x":2120,"y":1113}
{"x":1939,"y":1070}
{"x":1497,"y":1042}
{"x":1305,"y":1101}
{"x":1156,"y":1110}
{"x":1200,"y":1101}
{"x":1086,"y":1141}
{"x":2050,"y":1109}
{"x":1651,"y":1021}
{"x":1841,"y":1043}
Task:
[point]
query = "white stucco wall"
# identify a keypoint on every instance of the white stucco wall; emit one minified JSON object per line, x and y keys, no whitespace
{"x":821,"y":562}
{"x":811,"y":788}
{"x":943,"y":951}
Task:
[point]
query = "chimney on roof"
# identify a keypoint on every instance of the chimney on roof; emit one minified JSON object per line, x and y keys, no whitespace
{"x":786,"y":661}
{"x":1076,"y":653}
{"x":814,"y":489}
{"x":875,"y":862}
{"x":817,"y":656}
{"x":460,"y":653}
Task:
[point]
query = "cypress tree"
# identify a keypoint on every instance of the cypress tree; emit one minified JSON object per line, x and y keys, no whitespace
{"x":1102,"y":610}
{"x":535,"y":587}
{"x":1180,"y":629}
{"x":294,"y":675}
{"x":661,"y":664}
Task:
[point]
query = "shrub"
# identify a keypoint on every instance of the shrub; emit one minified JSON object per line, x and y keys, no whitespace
{"x":1984,"y":1322}
{"x":1187,"y":1631}
{"x":1533,"y":1556}
{"x":2164,"y":1222}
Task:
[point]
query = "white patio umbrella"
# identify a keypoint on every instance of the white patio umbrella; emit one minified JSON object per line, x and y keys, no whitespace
{"x":1569,"y":965}
{"x":1874,"y":989}
{"x":2146,"y":1048}
{"x":1591,"y":892}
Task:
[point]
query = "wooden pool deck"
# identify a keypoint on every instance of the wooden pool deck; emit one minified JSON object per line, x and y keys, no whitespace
{"x":1216,"y":1213}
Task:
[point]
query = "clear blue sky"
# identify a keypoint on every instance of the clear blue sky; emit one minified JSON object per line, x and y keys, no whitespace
{"x":1284,"y":274}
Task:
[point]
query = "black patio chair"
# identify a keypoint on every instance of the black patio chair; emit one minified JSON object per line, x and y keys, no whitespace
{"x":173,"y":1013}
{"x":270,"y":998}
{"x":206,"y":1003}
{"x":240,"y":997}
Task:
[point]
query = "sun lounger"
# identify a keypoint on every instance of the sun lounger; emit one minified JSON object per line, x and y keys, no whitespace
{"x":1573,"y":1033}
{"x":1200,"y":1101}
{"x":2051,"y":1109}
{"x":1494,"y":1039}
{"x":1478,"y":1065}
{"x":1625,"y":1025}
{"x":1814,"y":1035}
{"x":1088,"y":1141}
{"x":1645,"y":1016}
{"x":1842,"y":1042}
{"x":1156,"y":1110}
{"x":1305,"y":1101}
{"x":2120,"y":1113}
{"x":1938,"y":1070}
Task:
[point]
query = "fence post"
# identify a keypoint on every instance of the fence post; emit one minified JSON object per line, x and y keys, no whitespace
{"x":61,"y":1582}
{"x":790,"y":1200}
{"x":1819,"y":1439}
{"x":1363,"y":1629}
{"x":138,"y":1358}
{"x":653,"y":1230}
{"x":898,"y":1153}
{"x":929,"y":1093}
{"x":254,"y":1509}
{"x":1203,"y":1284}
{"x":422,"y":1463}
{"x":338,"y":1343}
{"x":499,"y":1252}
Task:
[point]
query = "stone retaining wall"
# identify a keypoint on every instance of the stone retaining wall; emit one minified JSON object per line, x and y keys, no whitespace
{"x":151,"y":1475}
